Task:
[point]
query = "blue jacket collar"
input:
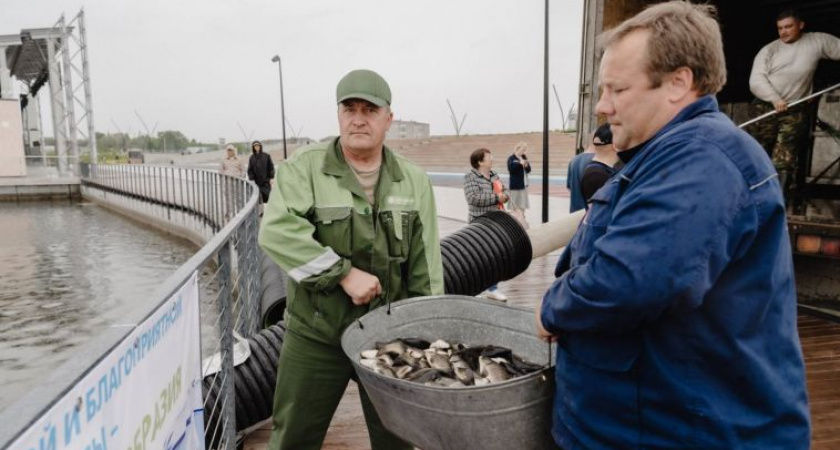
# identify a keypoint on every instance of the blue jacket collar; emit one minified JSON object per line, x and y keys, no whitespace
{"x":703,"y":105}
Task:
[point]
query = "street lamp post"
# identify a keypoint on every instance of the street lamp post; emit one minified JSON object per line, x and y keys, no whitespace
{"x":276,"y":59}
{"x":545,"y":124}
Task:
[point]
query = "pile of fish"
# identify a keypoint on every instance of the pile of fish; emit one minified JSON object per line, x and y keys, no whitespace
{"x":441,"y":363}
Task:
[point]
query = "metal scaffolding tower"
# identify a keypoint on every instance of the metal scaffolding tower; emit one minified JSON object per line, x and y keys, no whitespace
{"x":59,"y":56}
{"x":74,"y":57}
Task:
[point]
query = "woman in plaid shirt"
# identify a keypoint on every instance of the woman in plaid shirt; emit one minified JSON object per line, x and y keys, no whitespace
{"x":485,"y":192}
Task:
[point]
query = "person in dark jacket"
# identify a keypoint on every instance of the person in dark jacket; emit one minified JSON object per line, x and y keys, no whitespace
{"x":602,"y":166}
{"x":519,"y":168}
{"x":573,"y":176}
{"x":261,"y":170}
{"x":675,"y":317}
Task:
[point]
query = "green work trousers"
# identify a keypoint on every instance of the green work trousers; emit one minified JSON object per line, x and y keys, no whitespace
{"x":311,"y":379}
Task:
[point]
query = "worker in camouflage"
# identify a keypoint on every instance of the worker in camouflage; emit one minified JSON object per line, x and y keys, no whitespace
{"x":782,"y":136}
{"x":782,"y":73}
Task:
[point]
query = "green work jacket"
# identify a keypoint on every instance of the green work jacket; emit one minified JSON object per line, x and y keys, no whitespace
{"x":318,"y":223}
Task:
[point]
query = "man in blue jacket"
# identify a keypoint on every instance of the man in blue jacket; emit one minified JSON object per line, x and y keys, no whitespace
{"x":573,"y":175}
{"x":676,"y":317}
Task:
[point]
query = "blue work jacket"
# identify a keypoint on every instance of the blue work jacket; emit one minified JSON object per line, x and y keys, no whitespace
{"x":573,"y":176}
{"x":676,"y":318}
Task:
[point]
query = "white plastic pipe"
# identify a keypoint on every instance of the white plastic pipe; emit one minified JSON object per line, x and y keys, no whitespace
{"x":550,"y":236}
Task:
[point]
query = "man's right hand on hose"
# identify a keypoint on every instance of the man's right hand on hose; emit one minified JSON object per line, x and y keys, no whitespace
{"x":361,"y":286}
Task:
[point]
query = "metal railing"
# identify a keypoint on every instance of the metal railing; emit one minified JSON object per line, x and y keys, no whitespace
{"x":220,"y":211}
{"x":790,"y":105}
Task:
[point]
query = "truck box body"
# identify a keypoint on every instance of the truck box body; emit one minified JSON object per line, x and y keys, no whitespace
{"x":814,"y":221}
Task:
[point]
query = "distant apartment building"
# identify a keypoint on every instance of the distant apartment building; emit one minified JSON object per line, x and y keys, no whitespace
{"x":408,"y":129}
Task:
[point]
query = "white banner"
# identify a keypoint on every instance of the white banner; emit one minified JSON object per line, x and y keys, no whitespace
{"x":145,"y":394}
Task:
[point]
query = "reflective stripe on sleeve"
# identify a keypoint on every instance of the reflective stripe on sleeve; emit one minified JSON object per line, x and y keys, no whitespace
{"x":316,"y":266}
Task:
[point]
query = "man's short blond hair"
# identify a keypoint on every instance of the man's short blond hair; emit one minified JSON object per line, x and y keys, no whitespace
{"x":681,"y":35}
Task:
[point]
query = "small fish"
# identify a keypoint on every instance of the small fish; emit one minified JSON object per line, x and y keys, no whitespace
{"x":424,"y":375}
{"x":492,"y":351}
{"x":470,"y":355}
{"x":408,"y":360}
{"x":509,"y":367}
{"x":382,"y":370}
{"x":403,"y":371}
{"x":386,"y":359}
{"x":492,"y":370}
{"x":524,"y":367}
{"x":463,"y":372}
{"x":440,"y":363}
{"x":421,"y":344}
{"x":441,"y":344}
{"x":393,"y":349}
{"x":369,"y":363}
{"x":481,"y":382}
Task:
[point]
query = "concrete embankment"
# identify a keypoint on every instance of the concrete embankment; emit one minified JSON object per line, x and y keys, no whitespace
{"x":39,"y":188}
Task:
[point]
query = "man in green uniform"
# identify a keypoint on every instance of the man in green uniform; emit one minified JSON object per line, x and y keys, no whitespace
{"x":355,"y":227}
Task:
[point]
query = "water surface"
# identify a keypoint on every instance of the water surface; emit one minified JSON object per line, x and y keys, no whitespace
{"x":69,"y":270}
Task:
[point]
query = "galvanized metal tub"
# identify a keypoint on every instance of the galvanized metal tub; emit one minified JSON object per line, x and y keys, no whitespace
{"x":512,"y":414}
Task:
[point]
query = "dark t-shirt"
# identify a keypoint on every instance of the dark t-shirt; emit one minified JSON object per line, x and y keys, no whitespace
{"x":594,"y":176}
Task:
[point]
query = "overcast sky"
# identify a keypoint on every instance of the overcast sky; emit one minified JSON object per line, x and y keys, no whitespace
{"x":201,"y":66}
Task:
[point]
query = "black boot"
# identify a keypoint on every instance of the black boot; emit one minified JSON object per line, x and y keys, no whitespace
{"x":786,"y":182}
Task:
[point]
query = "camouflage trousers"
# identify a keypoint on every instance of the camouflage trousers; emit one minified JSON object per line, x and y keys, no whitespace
{"x":781,"y":135}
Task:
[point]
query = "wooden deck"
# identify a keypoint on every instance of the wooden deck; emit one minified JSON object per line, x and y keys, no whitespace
{"x":821,"y":347}
{"x":820,"y":342}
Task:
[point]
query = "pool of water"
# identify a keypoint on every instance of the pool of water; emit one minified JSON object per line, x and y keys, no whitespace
{"x":69,"y":270}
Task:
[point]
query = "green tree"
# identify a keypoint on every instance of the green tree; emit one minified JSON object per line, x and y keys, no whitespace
{"x":111,"y":142}
{"x":120,"y":142}
{"x":175,"y":140}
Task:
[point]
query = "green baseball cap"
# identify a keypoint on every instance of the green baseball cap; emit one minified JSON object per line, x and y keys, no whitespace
{"x":366,"y":85}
